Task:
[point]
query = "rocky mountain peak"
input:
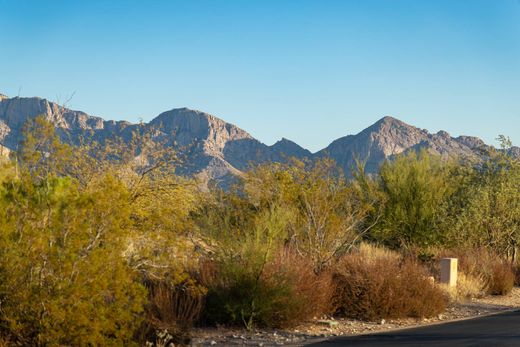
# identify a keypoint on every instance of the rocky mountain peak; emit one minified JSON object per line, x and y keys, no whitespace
{"x":285,"y":142}
{"x":387,"y":122}
{"x":187,"y":124}
{"x":443,"y":134}
{"x":288,"y":148}
{"x":213,"y":149}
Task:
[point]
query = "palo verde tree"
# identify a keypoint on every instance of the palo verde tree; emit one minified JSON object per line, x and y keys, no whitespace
{"x":488,"y":214}
{"x":78,"y":240}
{"x":328,"y":214}
{"x":415,"y":189}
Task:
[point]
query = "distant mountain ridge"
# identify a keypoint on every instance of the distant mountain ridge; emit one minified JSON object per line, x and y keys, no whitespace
{"x":216,"y":150}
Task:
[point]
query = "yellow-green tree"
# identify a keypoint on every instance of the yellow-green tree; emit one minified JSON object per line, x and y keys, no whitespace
{"x":488,"y":209}
{"x":81,"y":230}
{"x":328,"y":214}
{"x":63,"y":278}
{"x":415,"y":189}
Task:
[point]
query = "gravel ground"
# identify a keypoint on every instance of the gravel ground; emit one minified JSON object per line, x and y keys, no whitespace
{"x":321,"y":328}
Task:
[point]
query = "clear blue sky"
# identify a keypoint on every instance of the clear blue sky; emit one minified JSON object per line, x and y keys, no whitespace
{"x":311,"y":71}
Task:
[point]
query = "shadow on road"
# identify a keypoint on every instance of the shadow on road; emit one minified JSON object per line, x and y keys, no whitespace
{"x":496,"y":330}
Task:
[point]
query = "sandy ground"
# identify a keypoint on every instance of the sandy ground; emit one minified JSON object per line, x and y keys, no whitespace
{"x":322,"y":328}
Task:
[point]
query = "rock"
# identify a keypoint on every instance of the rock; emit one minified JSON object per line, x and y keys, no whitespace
{"x":330,"y":323}
{"x":213,"y":343}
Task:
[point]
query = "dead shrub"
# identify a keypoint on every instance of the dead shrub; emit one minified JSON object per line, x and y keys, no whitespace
{"x":306,"y":287}
{"x":495,"y":275}
{"x":372,"y":288}
{"x":502,"y":278}
{"x":516,"y":271}
{"x":171,"y":310}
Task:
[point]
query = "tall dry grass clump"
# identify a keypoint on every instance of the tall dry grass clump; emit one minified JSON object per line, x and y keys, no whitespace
{"x":481,"y":272}
{"x":502,"y":278}
{"x":372,"y":284}
{"x":172,"y":310}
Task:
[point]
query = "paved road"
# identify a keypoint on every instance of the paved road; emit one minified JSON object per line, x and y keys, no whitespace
{"x":497,"y":330}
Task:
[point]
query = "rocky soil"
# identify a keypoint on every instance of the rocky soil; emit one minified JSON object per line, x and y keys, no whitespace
{"x":327,"y":327}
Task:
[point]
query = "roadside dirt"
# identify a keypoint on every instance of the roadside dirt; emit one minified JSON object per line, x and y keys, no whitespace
{"x":327,"y":327}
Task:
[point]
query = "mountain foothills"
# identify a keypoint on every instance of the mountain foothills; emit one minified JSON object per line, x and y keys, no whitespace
{"x":100,"y":244}
{"x":214,"y":150}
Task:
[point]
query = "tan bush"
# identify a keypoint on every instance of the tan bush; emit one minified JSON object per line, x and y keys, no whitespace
{"x":371,"y":253}
{"x":381,"y":286}
{"x":171,"y":310}
{"x":481,"y":267}
{"x":468,"y":287}
{"x":306,"y":286}
{"x":502,"y":279}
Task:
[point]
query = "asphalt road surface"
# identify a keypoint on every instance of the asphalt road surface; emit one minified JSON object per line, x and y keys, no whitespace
{"x":496,"y":330}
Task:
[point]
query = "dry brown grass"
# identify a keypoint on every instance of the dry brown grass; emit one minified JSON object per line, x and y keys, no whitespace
{"x":482,"y":268}
{"x":172,"y":309}
{"x":371,"y":253}
{"x":373,"y":284}
{"x":502,"y":279}
{"x":310,"y":293}
{"x":468,"y":287}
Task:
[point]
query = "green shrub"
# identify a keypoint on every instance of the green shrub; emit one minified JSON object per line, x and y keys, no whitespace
{"x":371,"y":288}
{"x":277,"y":297}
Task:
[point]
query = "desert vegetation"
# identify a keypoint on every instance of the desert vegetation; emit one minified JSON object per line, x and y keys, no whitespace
{"x":103,"y":244}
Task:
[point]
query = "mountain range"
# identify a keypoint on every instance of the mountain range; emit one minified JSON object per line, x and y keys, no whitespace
{"x":214,"y":150}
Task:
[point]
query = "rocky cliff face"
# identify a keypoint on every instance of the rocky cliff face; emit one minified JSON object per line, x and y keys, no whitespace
{"x":389,"y":137}
{"x":213,"y":149}
{"x":209,"y":147}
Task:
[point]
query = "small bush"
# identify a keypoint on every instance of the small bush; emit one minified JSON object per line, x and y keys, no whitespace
{"x":502,"y":279}
{"x":468,"y":287}
{"x":277,"y":297}
{"x":516,"y":271}
{"x":171,"y":310}
{"x":371,"y":288}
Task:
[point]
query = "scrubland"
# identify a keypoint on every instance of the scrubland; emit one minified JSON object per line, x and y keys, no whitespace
{"x":100,"y":248}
